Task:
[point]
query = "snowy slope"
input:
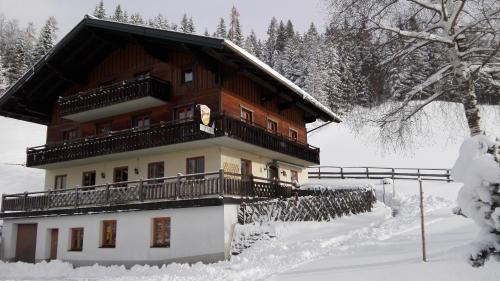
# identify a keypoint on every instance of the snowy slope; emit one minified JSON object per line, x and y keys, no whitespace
{"x":436,"y":141}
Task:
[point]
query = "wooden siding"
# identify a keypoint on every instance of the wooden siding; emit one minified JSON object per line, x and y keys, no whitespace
{"x":123,"y":65}
{"x":241,"y":91}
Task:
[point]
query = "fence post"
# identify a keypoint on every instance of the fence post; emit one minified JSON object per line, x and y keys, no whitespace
{"x":367,"y":173}
{"x":448,"y":176}
{"x":422,"y":225}
{"x":221,"y":182}
{"x":3,"y":202}
{"x":393,"y":172}
{"x":141,"y":194}
{"x":319,"y":172}
{"x":341,"y":172}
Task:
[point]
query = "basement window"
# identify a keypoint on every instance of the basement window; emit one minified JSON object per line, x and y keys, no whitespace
{"x":161,"y":233}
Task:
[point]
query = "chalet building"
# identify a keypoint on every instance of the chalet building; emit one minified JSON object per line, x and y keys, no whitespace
{"x":154,"y":138}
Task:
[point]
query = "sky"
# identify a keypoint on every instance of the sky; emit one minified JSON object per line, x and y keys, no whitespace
{"x":254,"y":14}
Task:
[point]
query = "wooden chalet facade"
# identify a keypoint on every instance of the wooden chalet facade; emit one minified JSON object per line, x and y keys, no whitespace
{"x":123,"y":105}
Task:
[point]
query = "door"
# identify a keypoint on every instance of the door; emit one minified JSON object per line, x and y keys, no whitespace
{"x":273,"y":172}
{"x":26,"y":242}
{"x":54,"y":235}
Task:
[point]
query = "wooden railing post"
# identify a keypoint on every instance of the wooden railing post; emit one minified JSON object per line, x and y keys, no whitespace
{"x":141,"y":194}
{"x":25,"y":201}
{"x":319,"y":172}
{"x":367,"y":173}
{"x":107,"y":193}
{"x":341,"y":172}
{"x":221,"y":182}
{"x":76,"y":196}
{"x":178,"y":186}
{"x":3,"y":202}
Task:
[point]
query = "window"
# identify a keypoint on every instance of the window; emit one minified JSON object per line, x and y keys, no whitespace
{"x":88,"y":178}
{"x":76,"y":239}
{"x":161,"y":232}
{"x":293,"y":134}
{"x":187,"y":75}
{"x":108,"y":239}
{"x":272,"y":126}
{"x":68,"y":135}
{"x":103,"y":128}
{"x":156,"y":170}
{"x":246,"y":167}
{"x":294,"y":176}
{"x":121,"y":174}
{"x":60,"y":182}
{"x":246,"y":115}
{"x":142,"y":121}
{"x":195,"y":165}
{"x":184,"y":113}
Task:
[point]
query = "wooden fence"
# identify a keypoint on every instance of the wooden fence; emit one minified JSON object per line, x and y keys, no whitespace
{"x":335,"y":172}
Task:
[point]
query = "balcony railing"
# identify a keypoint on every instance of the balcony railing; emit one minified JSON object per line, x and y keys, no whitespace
{"x":166,"y":134}
{"x":182,"y":187}
{"x":113,"y":94}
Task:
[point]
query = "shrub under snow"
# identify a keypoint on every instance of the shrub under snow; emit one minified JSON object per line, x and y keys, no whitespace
{"x":479,"y":199}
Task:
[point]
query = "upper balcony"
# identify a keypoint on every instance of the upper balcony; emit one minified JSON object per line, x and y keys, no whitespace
{"x":163,"y":134}
{"x":114,"y":99}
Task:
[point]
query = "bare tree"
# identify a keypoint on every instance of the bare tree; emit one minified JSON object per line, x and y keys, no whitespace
{"x":466,"y":31}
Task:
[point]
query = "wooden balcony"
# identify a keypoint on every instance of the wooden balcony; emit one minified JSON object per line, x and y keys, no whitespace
{"x":115,"y":99}
{"x":131,"y":194}
{"x":163,"y":134}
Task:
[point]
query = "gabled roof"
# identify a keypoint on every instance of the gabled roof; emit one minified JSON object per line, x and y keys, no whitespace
{"x":92,"y":39}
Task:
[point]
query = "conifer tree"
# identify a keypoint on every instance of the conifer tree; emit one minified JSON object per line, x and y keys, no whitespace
{"x":221,"y":31}
{"x":118,"y":15}
{"x":99,"y":11}
{"x":270,"y":51}
{"x":206,"y":32}
{"x":136,"y":18}
{"x":253,"y":45}
{"x":234,"y":34}
{"x":46,"y":38}
{"x":281,"y":37}
{"x":159,"y":22}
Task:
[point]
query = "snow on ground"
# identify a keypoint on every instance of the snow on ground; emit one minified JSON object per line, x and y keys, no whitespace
{"x":371,"y":246}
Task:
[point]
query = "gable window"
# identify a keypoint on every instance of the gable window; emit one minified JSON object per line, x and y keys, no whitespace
{"x":293,"y":134}
{"x":195,"y":165}
{"x":76,"y":239}
{"x":246,"y":115}
{"x":156,"y":170}
{"x":88,"y":178}
{"x":108,"y":235}
{"x":272,"y":126}
{"x":161,"y":233}
{"x":141,"y":122}
{"x":60,"y":182}
{"x":103,"y":128}
{"x":294,"y":176}
{"x":184,"y":113}
{"x":71,"y":134}
{"x":187,"y":75}
{"x":121,"y":174}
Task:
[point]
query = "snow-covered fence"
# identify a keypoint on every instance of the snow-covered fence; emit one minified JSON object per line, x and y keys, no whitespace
{"x":337,"y":172}
{"x":309,"y":205}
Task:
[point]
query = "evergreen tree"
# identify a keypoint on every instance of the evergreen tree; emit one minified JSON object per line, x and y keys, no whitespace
{"x":281,"y":37}
{"x":187,"y":25}
{"x":290,"y":32}
{"x":253,"y":45}
{"x":206,"y":32}
{"x":99,"y":11}
{"x":221,"y":29}
{"x":270,"y":52}
{"x":291,"y":62}
{"x":159,"y":22}
{"x":118,"y":15}
{"x":234,"y":33}
{"x":3,"y":80}
{"x":136,"y":18}
{"x":46,"y":38}
{"x":191,"y":28}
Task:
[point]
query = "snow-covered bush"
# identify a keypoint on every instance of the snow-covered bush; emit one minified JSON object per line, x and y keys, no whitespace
{"x":477,"y":167}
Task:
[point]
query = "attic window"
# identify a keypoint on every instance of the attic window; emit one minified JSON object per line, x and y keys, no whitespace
{"x":187,"y":75}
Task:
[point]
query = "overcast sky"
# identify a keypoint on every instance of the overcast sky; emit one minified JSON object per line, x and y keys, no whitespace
{"x":254,"y":14}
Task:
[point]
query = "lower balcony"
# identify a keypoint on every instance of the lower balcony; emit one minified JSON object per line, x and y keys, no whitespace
{"x":180,"y":191}
{"x":164,"y":134}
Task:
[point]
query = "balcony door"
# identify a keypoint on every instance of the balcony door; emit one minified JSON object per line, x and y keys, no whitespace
{"x":121,"y":174}
{"x":141,"y":122}
{"x":195,"y":165}
{"x":184,"y":113}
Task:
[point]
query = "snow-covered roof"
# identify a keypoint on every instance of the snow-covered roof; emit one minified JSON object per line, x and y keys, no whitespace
{"x":76,"y":53}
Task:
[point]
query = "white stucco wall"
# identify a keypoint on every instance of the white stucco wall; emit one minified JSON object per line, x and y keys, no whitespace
{"x":197,"y":234}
